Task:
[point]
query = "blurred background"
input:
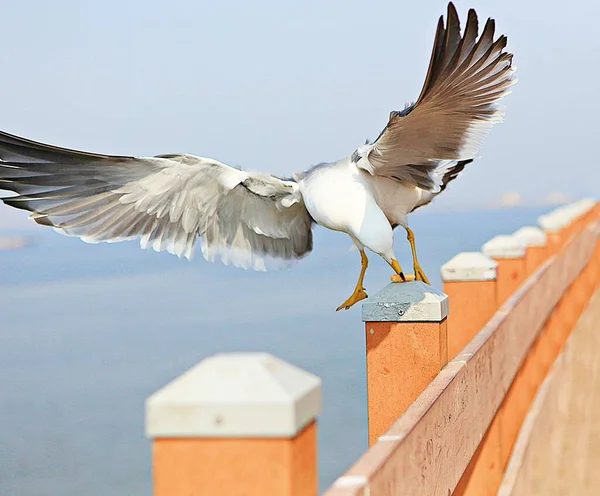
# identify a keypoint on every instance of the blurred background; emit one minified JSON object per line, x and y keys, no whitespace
{"x":87,"y":332}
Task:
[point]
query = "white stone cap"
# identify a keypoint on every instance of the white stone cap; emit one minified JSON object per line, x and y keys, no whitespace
{"x":587,"y":204}
{"x":583,"y":206}
{"x":549,"y":223}
{"x":565,"y":214}
{"x":569,"y":212}
{"x":469,"y":266}
{"x":235,"y":395}
{"x":503,"y":246}
{"x":531,"y":236}
{"x":555,"y":220}
{"x":412,"y":301}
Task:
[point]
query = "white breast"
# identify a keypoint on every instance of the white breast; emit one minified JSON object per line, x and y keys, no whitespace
{"x":335,"y":195}
{"x":340,"y":197}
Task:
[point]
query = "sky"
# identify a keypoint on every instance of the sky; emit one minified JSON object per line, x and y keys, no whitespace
{"x":281,"y":85}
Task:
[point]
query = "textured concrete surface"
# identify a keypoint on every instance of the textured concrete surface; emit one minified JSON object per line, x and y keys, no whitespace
{"x":563,"y":455}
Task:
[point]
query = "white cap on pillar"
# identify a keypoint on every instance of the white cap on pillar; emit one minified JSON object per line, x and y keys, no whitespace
{"x":235,"y":395}
{"x":570,"y":212}
{"x":469,"y":266}
{"x":586,"y":204}
{"x":583,"y":206}
{"x":531,"y":236}
{"x":504,"y":246}
{"x":555,"y":220}
{"x":412,"y":301}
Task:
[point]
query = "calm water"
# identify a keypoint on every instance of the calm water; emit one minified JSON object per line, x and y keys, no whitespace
{"x":87,"y":332}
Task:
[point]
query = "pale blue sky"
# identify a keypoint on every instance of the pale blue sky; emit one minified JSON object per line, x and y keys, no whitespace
{"x":281,"y":85}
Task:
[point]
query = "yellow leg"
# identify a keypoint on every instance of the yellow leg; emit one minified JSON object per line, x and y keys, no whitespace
{"x":419,"y":274}
{"x":359,"y":291}
{"x":399,"y":276}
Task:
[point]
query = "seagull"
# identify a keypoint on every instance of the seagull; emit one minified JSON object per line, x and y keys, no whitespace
{"x":258,"y":220}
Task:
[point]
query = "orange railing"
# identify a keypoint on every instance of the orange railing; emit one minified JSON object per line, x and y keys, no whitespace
{"x":450,"y":377}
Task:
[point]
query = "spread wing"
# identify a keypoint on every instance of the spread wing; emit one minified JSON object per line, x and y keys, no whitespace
{"x":167,"y":201}
{"x":425,"y":142}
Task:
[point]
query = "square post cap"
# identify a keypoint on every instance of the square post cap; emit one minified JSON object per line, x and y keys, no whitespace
{"x":531,"y":236}
{"x":469,"y":266}
{"x":412,"y":301}
{"x":555,"y":220}
{"x":569,"y":212}
{"x":235,"y":395}
{"x":503,"y":246}
{"x":586,"y":204}
{"x":583,"y":206}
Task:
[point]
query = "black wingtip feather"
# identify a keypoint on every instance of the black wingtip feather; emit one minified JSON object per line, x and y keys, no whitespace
{"x":452,"y":39}
{"x":17,"y":202}
{"x":453,"y":172}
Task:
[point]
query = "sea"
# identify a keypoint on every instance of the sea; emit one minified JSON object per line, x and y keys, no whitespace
{"x":88,"y":332}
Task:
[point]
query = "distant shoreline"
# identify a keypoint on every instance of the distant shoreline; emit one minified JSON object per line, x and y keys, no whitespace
{"x":14,"y":242}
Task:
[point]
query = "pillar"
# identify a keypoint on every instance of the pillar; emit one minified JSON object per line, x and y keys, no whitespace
{"x":536,"y":247}
{"x":406,"y":346}
{"x":540,"y":356}
{"x":470,"y":284}
{"x":554,"y":225}
{"x":236,"y":423}
{"x":509,"y":252}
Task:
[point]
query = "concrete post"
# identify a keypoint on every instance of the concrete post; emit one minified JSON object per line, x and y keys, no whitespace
{"x":406,"y":346}
{"x":236,"y":423}
{"x":509,"y":252}
{"x":571,"y":305}
{"x":470,"y":283}
{"x":590,"y":209}
{"x":579,"y":293}
{"x":538,"y":360}
{"x":554,"y":225}
{"x":592,"y":218}
{"x":579,"y":210}
{"x":578,"y":214}
{"x":536,"y":247}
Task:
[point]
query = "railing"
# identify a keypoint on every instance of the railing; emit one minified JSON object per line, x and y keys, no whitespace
{"x":450,"y":377}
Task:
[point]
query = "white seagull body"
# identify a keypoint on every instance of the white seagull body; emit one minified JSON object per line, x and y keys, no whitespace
{"x":343,"y":197}
{"x":252,"y":219}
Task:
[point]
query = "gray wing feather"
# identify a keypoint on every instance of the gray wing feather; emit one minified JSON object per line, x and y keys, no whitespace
{"x":455,"y":110}
{"x":168,"y":201}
